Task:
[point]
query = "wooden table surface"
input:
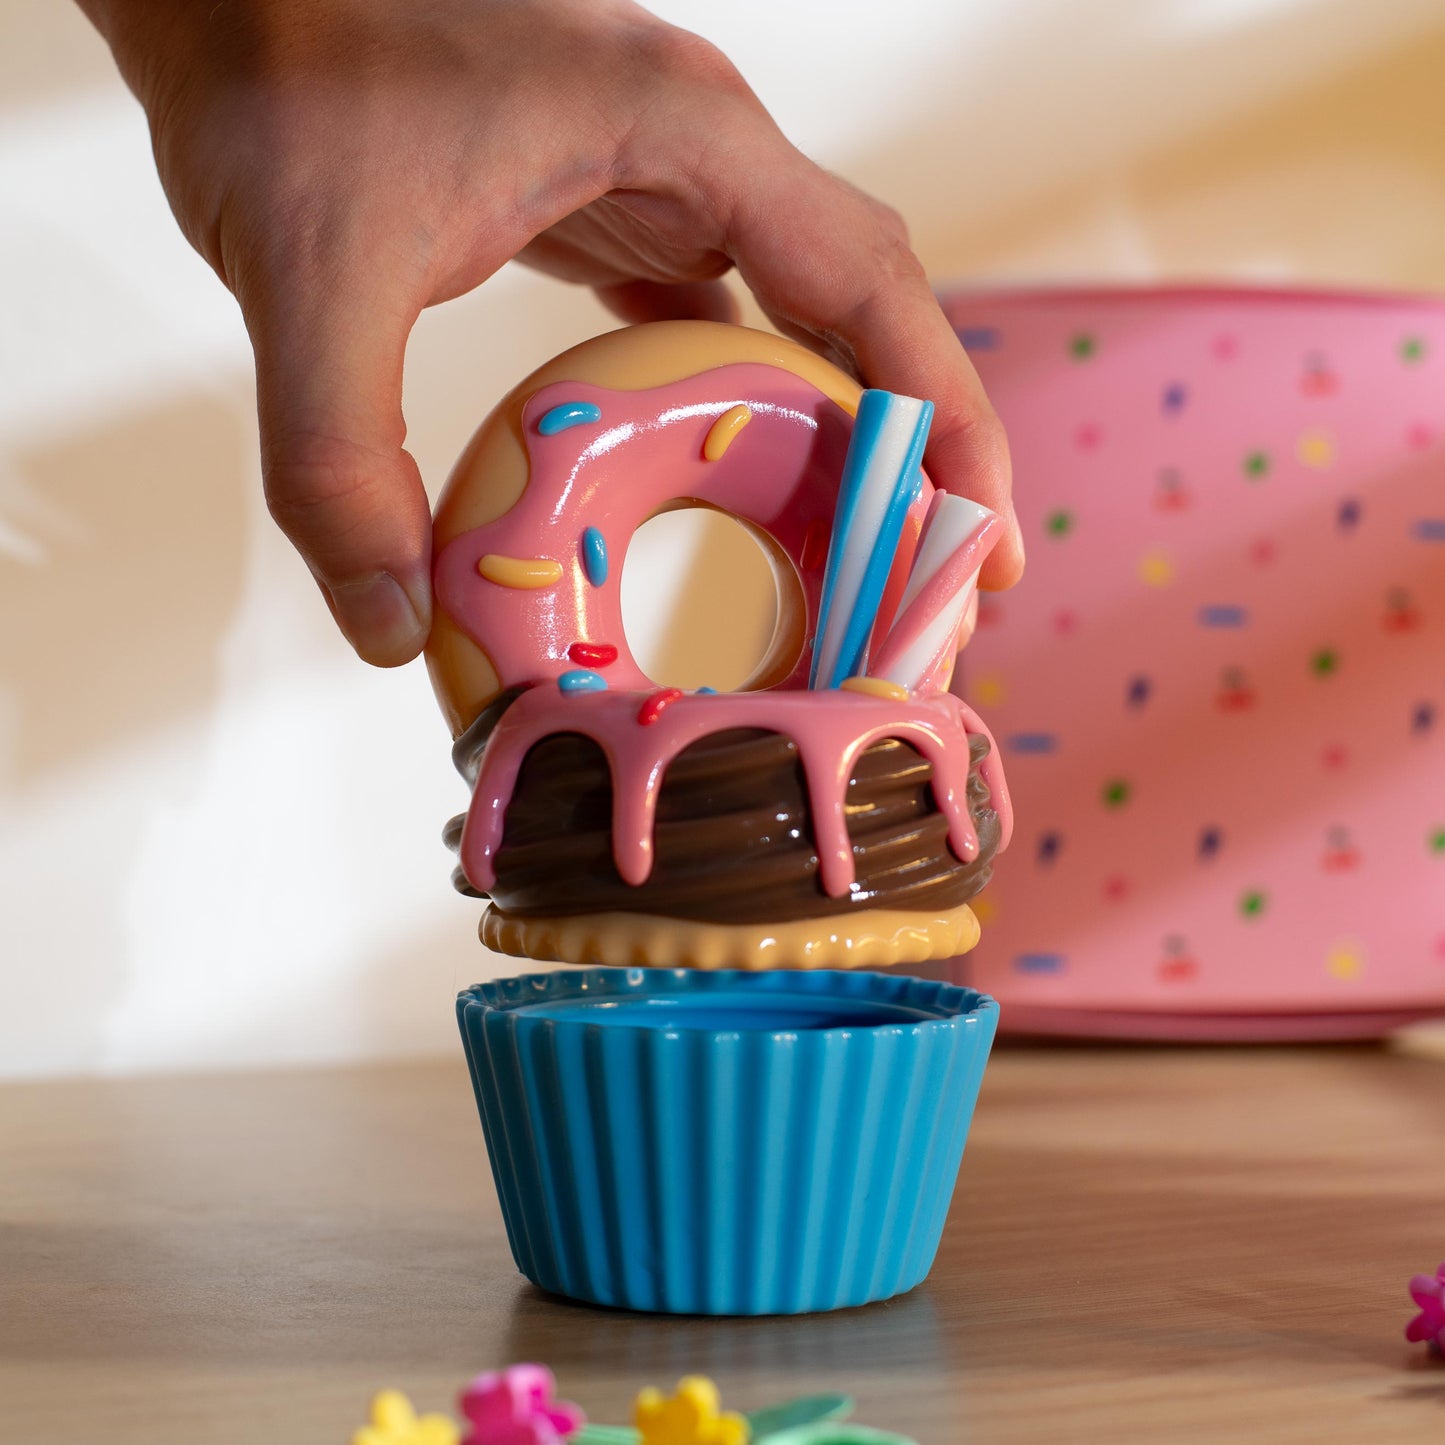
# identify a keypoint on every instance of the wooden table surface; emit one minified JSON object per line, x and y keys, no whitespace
{"x":1171,"y":1245}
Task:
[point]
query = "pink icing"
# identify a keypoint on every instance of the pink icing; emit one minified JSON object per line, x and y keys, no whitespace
{"x":780,"y":473}
{"x":831,"y":730}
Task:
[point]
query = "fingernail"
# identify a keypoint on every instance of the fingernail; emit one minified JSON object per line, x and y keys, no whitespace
{"x":379,"y":619}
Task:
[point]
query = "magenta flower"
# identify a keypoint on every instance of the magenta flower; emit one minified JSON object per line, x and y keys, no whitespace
{"x":1428,"y":1291}
{"x":515,"y":1407}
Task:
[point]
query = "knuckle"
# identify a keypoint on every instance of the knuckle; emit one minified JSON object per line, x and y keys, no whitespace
{"x":981,"y":427}
{"x":891,"y":224}
{"x":897,"y":262}
{"x":317,"y":485}
{"x":982,"y":445}
{"x":683,"y":56}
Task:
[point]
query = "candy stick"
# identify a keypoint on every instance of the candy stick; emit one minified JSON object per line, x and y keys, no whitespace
{"x":898,"y":573}
{"x":880,"y":482}
{"x":919,"y":648}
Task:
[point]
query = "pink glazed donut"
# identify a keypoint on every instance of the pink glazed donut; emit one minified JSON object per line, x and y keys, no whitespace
{"x":615,"y":821}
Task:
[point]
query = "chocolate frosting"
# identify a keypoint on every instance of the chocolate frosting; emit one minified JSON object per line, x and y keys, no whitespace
{"x":733,"y":841}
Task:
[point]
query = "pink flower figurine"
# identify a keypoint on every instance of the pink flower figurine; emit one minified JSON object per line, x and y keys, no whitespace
{"x":1428,"y":1291}
{"x":515,"y":1407}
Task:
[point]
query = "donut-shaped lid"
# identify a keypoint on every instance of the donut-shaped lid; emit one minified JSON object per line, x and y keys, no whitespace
{"x":533,"y":526}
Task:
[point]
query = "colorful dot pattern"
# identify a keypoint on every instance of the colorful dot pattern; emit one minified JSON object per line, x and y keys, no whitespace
{"x":1231,"y":761}
{"x":1117,"y":792}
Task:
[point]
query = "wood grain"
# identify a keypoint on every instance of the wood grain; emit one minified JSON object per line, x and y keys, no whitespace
{"x":1146,"y":1245}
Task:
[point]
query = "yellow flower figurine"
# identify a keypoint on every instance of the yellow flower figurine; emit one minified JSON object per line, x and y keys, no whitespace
{"x":690,"y":1417}
{"x":394,"y":1421}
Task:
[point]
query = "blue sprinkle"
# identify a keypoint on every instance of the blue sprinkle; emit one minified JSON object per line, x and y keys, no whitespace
{"x":594,"y":552}
{"x":1039,"y":962}
{"x":1423,"y":718}
{"x":980,"y":338}
{"x":1210,"y":842}
{"x":1429,"y":529}
{"x":1139,"y":690}
{"x":1049,"y":846}
{"x":570,"y":413}
{"x":581,"y":679}
{"x":1033,"y":742}
{"x":1348,"y":515}
{"x":1223,"y":616}
{"x":707,"y":692}
{"x":1175,"y":396}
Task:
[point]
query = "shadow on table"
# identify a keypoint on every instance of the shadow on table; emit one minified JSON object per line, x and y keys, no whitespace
{"x":900,"y":1334}
{"x":890,"y":1356}
{"x":1426,"y":1390}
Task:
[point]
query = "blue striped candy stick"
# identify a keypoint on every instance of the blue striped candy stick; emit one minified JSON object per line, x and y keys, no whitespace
{"x":880,"y":481}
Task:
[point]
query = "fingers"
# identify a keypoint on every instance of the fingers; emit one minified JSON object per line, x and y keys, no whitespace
{"x":834,"y":268}
{"x":636,"y":301}
{"x":329,"y":349}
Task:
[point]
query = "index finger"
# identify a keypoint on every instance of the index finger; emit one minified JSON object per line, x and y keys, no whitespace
{"x":834,"y":268}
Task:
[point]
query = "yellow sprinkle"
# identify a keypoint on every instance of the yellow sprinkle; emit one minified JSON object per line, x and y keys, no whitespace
{"x":1345,"y":960}
{"x":987,"y":689}
{"x":984,"y":909}
{"x":722,"y":432}
{"x":1316,"y":449}
{"x":1156,"y":569}
{"x":876,"y":687}
{"x":520,"y":571}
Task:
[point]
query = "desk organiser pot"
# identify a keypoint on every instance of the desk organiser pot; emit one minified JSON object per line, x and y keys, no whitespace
{"x":725,"y":1142}
{"x":1220,"y":691}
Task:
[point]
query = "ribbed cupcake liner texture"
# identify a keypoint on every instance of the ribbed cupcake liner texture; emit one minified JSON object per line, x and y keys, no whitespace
{"x":733,"y":1169}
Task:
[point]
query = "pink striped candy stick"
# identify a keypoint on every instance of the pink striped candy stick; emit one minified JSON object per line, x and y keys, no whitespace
{"x":919,"y":649}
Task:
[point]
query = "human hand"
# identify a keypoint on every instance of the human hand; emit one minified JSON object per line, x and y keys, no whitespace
{"x":343,"y":164}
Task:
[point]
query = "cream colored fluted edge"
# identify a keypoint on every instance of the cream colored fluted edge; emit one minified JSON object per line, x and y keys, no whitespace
{"x":868,"y":938}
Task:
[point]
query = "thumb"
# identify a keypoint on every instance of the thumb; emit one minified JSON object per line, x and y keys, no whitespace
{"x":329,"y":357}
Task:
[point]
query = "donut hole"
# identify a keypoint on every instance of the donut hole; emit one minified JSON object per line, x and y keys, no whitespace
{"x":709,"y":600}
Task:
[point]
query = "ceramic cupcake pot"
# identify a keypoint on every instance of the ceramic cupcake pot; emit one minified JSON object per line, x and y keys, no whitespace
{"x":710,"y":1142}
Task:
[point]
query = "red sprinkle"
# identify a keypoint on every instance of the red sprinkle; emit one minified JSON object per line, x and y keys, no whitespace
{"x":658,"y":704}
{"x":592,"y":654}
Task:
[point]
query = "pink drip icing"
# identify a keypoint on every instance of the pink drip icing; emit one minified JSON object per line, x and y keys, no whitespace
{"x":831,"y":730}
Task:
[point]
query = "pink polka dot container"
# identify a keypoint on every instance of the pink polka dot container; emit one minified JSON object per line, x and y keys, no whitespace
{"x":1220,"y":693}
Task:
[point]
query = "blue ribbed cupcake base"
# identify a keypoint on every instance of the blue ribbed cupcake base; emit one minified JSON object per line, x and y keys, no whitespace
{"x":725,"y":1143}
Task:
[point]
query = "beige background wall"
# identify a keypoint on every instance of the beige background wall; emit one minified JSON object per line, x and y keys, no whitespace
{"x":218,"y":833}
